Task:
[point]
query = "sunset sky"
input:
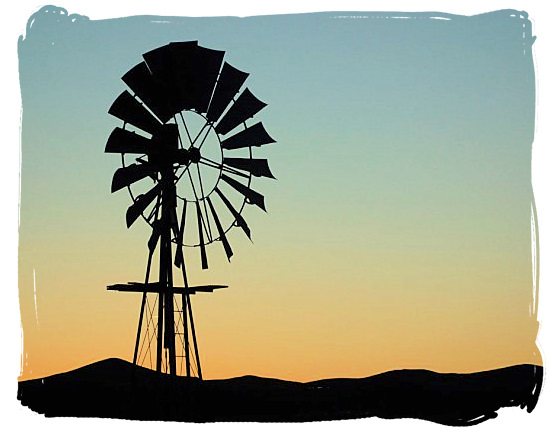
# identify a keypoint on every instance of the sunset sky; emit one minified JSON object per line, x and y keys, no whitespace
{"x":397,"y":233}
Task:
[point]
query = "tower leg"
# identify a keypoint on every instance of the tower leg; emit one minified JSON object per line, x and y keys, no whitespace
{"x":164,"y":267}
{"x":166,"y":280}
{"x":186,"y":305}
{"x":170,"y":339}
{"x":194,"y":338}
{"x":136,"y":348}
{"x":160,"y":331}
{"x":143,"y":302}
{"x":185,"y":300}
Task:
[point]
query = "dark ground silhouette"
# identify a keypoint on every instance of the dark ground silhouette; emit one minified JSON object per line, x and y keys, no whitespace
{"x":105,"y":389}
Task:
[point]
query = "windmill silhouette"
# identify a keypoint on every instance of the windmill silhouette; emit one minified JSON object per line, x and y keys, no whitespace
{"x":185,"y":128}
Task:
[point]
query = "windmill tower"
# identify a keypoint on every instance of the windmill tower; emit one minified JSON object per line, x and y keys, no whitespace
{"x":187,"y":163}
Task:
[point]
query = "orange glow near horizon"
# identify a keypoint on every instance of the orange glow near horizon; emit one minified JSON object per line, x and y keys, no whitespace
{"x":253,"y":328}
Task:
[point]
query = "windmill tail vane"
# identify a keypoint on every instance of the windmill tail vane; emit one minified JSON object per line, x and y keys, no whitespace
{"x":187,"y":162}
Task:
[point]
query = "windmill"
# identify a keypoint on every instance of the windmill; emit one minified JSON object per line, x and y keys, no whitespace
{"x":187,"y":163}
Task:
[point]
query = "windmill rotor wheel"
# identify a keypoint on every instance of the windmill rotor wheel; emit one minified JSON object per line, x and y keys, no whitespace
{"x":185,"y":138}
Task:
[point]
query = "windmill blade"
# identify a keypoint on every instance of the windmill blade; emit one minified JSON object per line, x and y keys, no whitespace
{"x":245,"y":107}
{"x":229,"y":83}
{"x":206,"y":69}
{"x":174,"y":222}
{"x":204,"y":260}
{"x":251,"y":136}
{"x":141,"y":203}
{"x":240,"y":222}
{"x":152,"y":91}
{"x":165,"y":62}
{"x":155,"y":235}
{"x":223,"y":238}
{"x":127,"y":142}
{"x":188,"y":70}
{"x":178,"y":259}
{"x":253,"y":197}
{"x":167,"y":55}
{"x":168,"y":65}
{"x":129,"y":110}
{"x":125,"y":176}
{"x":256,"y":166}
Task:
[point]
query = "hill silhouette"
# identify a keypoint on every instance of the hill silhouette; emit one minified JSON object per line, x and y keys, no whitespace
{"x":114,"y":388}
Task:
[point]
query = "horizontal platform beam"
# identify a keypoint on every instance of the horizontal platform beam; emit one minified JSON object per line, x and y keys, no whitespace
{"x":155,"y":287}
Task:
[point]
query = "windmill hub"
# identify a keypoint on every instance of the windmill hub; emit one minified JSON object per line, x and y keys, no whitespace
{"x":194,"y":155}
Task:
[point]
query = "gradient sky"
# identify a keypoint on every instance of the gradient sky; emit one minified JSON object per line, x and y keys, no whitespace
{"x":398,"y":232}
